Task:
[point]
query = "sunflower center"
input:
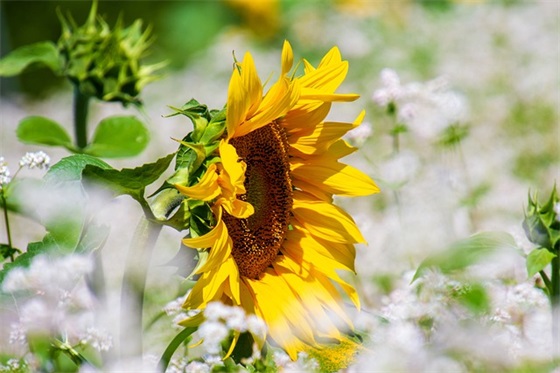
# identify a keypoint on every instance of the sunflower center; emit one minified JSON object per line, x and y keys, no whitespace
{"x":257,"y":239}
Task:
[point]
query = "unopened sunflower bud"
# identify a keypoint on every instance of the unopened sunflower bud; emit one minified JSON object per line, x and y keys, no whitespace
{"x":104,"y":62}
{"x":541,"y":224}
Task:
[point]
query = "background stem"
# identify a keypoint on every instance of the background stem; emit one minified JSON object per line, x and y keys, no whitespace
{"x":134,"y":284}
{"x":81,"y":105}
{"x":7,"y":220}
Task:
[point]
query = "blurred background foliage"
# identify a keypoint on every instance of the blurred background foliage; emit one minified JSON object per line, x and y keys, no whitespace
{"x":185,"y":28}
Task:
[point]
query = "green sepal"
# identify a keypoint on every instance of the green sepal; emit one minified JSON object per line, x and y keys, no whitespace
{"x":466,"y":252}
{"x":198,"y":114}
{"x":118,"y":136}
{"x":28,"y":57}
{"x":537,"y":260}
{"x":541,"y":225}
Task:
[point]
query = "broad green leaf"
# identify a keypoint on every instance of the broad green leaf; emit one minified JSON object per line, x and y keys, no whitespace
{"x":475,"y":298}
{"x":70,"y":168}
{"x":173,"y":346}
{"x":537,"y":260}
{"x":119,"y":136}
{"x":44,"y":131}
{"x":466,"y":252}
{"x":129,"y":181}
{"x":45,"y":246}
{"x":30,"y":56}
{"x":63,"y":203}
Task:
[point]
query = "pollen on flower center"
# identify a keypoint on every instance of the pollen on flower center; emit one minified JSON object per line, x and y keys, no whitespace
{"x":257,"y":239}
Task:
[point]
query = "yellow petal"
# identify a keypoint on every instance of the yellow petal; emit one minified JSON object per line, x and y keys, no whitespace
{"x":236,"y":207}
{"x":208,"y":239}
{"x":237,"y":103}
{"x":335,"y":177}
{"x":287,"y":57}
{"x":252,"y":84}
{"x":206,"y":189}
{"x":234,"y":167}
{"x":327,"y":221}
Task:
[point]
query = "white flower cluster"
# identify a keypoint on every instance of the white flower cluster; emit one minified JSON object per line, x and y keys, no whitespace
{"x":426,"y":108}
{"x":360,"y":134}
{"x":35,"y":160}
{"x":220,"y":320}
{"x":62,"y":304}
{"x":4,"y":173}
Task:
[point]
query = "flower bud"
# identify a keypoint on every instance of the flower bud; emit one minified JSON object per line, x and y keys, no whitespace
{"x":105,"y":63}
{"x":541,"y":224}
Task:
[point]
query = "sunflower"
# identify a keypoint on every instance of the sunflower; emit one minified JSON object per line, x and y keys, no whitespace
{"x":278,"y":240}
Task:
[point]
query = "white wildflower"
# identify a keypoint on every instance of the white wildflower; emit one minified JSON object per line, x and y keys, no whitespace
{"x":197,"y":367}
{"x":4,"y":173}
{"x":17,"y":334}
{"x":99,"y":339}
{"x":256,"y":326}
{"x":35,"y":160}
{"x":212,"y":334}
{"x":557,"y":210}
{"x":360,"y":134}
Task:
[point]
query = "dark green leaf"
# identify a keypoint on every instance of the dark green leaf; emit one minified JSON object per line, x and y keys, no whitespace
{"x":29,"y":56}
{"x":537,"y":260}
{"x":466,"y":252}
{"x":70,"y":168}
{"x":173,"y":346}
{"x":45,"y":246}
{"x":119,"y":136}
{"x":128,"y":181}
{"x":41,"y":130}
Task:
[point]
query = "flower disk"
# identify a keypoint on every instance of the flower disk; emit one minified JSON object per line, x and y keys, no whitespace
{"x":257,"y":239}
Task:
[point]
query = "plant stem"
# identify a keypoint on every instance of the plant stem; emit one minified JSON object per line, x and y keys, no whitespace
{"x":134,"y":284}
{"x":555,"y":303}
{"x":7,"y":220}
{"x":81,"y":105}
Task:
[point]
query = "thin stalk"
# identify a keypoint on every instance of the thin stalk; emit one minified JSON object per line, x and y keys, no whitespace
{"x":7,"y":220}
{"x":134,"y":285}
{"x":81,"y":105}
{"x":555,"y":303}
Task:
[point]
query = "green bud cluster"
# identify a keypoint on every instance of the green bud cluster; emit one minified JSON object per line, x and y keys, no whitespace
{"x":105,"y":62}
{"x":541,"y":223}
{"x":197,"y":150}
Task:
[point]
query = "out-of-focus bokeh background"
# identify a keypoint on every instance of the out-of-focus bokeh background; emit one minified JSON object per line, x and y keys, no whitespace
{"x":488,"y":70}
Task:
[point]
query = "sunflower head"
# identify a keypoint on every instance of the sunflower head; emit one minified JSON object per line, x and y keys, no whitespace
{"x":255,"y":185}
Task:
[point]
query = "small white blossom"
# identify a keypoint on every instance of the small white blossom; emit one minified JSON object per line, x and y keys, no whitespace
{"x":17,"y":334}
{"x":35,"y":160}
{"x":557,"y":210}
{"x":4,"y":173}
{"x":197,"y":367}
{"x":212,"y":333}
{"x":99,"y":339}
{"x":360,"y":134}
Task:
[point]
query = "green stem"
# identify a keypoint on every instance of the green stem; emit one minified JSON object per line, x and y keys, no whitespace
{"x":81,"y":105}
{"x":7,"y":220}
{"x":555,"y":303}
{"x":134,"y":285}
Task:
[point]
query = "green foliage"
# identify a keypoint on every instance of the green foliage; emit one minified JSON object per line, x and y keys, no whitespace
{"x":474,"y":297}
{"x":42,"y":54}
{"x":128,"y":181}
{"x":179,"y":339}
{"x":118,"y":136}
{"x":537,"y":260}
{"x":466,"y":252}
{"x":540,"y":224}
{"x":43,"y":131}
{"x":70,"y":168}
{"x":46,"y":246}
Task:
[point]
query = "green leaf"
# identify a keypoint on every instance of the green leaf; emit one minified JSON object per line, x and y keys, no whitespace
{"x":464,"y":253}
{"x":119,"y":136}
{"x":47,"y":245}
{"x":173,"y":346}
{"x":70,"y":168}
{"x":44,"y":131}
{"x":475,"y":298}
{"x":129,"y":181}
{"x":537,"y":260}
{"x":30,"y":56}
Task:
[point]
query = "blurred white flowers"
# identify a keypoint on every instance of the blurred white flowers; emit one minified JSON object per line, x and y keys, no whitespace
{"x":38,"y":160}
